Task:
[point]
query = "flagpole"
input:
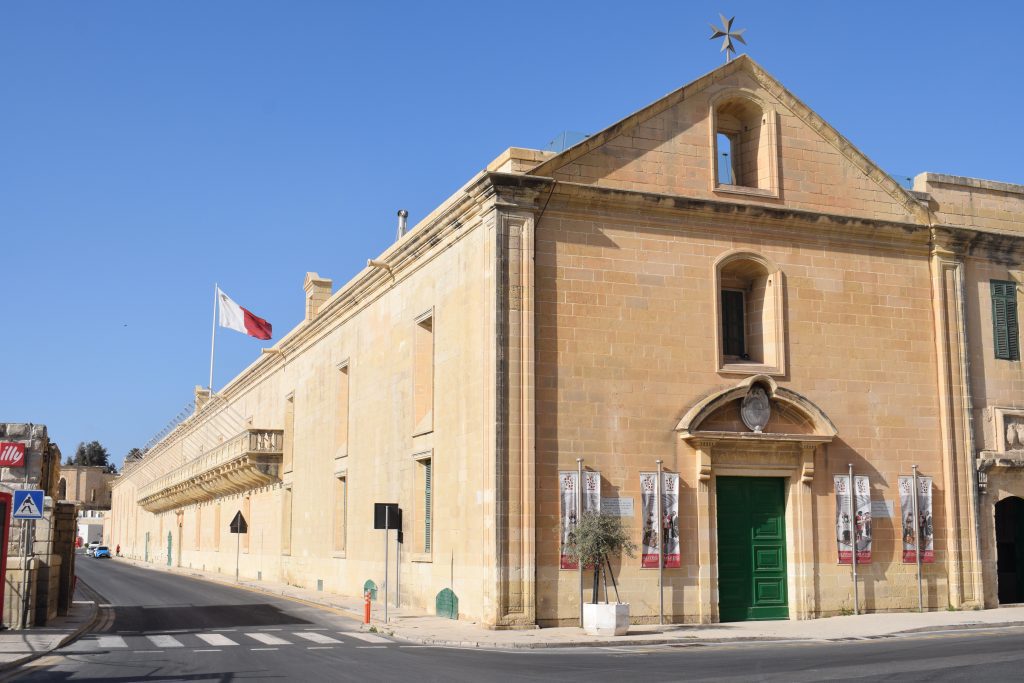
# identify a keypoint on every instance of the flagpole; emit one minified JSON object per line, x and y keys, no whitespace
{"x":213,"y":335}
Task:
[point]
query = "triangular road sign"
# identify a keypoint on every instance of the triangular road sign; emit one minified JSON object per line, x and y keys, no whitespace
{"x":239,"y":525}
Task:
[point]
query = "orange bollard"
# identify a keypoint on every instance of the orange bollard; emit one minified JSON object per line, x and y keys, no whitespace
{"x":366,"y":607}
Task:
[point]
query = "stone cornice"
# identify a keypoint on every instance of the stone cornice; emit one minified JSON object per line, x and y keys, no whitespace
{"x":1006,"y":249}
{"x":865,"y":231}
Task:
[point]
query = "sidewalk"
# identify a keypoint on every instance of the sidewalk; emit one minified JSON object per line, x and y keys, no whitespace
{"x":413,"y":626}
{"x":18,"y":647}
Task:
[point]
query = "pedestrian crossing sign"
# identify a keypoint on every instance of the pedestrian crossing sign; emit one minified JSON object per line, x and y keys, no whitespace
{"x":28,"y":504}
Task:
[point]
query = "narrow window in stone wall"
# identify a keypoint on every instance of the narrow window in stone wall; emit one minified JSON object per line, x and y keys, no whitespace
{"x":246,"y":512}
{"x":216,"y":528}
{"x":726,"y":158}
{"x":289,"y":433}
{"x":1005,"y":333}
{"x":341,"y":423}
{"x":733,"y":324}
{"x":286,"y":521}
{"x":428,"y":502}
{"x":340,"y":512}
{"x":423,"y":375}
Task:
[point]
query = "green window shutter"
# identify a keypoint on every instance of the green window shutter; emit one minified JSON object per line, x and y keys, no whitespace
{"x":1005,"y":333}
{"x":428,"y":503}
{"x":733,"y":325}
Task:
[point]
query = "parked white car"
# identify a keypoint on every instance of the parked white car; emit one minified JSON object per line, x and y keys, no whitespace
{"x":91,"y":548}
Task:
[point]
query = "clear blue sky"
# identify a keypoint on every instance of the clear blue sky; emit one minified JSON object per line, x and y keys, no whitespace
{"x":149,"y":149}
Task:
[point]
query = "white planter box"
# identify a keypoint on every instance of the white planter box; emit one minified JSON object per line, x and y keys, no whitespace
{"x":606,"y":620}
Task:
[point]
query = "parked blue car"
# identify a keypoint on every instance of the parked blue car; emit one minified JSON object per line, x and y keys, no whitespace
{"x":102,"y":551}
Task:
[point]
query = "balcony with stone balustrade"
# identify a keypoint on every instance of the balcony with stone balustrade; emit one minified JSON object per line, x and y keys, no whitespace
{"x":247,"y":461}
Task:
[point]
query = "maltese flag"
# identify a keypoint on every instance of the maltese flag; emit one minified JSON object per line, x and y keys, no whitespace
{"x":240,"y":319}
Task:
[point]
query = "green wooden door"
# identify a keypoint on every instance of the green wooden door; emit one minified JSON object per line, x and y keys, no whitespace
{"x":751,"y":548}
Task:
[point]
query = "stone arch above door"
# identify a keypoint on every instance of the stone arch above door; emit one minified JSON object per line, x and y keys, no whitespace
{"x":718,"y":419}
{"x":756,"y":428}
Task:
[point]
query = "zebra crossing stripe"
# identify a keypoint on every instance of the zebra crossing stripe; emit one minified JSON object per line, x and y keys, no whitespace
{"x":215,"y":639}
{"x":267,"y":639}
{"x":111,"y":641}
{"x":317,"y":637}
{"x":165,"y":641}
{"x":367,"y":637}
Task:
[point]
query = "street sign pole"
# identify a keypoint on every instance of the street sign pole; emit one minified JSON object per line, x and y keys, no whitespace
{"x":387,"y":525}
{"x":238,"y":527}
{"x":24,"y":573}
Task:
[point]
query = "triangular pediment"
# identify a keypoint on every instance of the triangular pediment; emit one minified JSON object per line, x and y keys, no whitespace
{"x":669,"y":148}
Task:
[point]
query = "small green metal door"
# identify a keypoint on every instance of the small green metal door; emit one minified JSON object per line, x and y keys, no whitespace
{"x":168,"y":548}
{"x":146,"y":556}
{"x":751,"y":548}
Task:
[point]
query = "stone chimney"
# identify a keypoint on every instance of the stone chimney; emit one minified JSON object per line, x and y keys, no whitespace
{"x":202,"y":396}
{"x":318,"y":291}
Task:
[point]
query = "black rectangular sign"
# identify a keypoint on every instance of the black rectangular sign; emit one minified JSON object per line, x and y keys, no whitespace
{"x":387,"y":516}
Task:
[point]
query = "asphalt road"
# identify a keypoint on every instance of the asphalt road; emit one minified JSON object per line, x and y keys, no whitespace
{"x":156,"y":626}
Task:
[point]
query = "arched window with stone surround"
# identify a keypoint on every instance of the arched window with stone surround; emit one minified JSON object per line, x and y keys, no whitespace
{"x":745,"y":157}
{"x":749,"y":305}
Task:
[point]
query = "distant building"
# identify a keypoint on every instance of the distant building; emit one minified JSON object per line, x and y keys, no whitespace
{"x":88,"y":487}
{"x":721,"y":282}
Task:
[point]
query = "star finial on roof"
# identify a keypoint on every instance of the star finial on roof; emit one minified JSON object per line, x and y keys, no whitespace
{"x":729,"y":35}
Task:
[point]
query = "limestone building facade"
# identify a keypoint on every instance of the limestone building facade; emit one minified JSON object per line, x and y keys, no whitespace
{"x":719,"y":256}
{"x":88,"y":487}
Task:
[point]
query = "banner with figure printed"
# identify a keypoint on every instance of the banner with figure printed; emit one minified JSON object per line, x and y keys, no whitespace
{"x":924,"y":518}
{"x":670,"y":519}
{"x":856,"y":531}
{"x":568,"y":491}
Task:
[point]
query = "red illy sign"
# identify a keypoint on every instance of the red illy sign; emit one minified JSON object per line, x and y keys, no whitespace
{"x":12,"y":454}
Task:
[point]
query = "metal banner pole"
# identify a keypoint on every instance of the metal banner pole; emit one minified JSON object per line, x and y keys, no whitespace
{"x":661,"y":547}
{"x":579,"y":513}
{"x":917,"y":544}
{"x":387,"y":528}
{"x":853,"y":538}
{"x":238,"y":553}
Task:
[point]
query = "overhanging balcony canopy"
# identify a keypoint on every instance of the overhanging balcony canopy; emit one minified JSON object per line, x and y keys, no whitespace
{"x":246,"y":461}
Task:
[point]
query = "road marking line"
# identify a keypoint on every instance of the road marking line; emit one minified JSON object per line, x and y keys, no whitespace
{"x":165,"y":641}
{"x":111,"y":641}
{"x":317,"y":637}
{"x":207,"y":650}
{"x":269,"y":629}
{"x":105,"y":604}
{"x":262,"y":649}
{"x":215,"y":639}
{"x":267,"y":639}
{"x":320,"y":647}
{"x":371,"y":647}
{"x":368,"y":637}
{"x":225,"y":630}
{"x":150,"y":651}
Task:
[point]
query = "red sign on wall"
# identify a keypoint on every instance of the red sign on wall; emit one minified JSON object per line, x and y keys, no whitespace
{"x":12,"y":454}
